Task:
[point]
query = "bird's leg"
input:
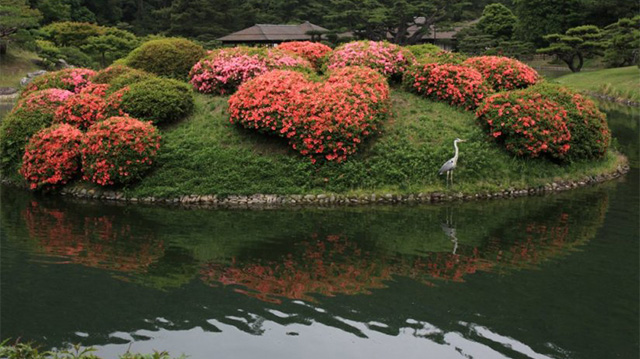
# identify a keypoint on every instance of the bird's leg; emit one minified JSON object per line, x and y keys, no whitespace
{"x":447,"y":183}
{"x":451,"y":177}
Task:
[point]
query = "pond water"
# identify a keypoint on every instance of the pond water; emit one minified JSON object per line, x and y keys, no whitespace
{"x":543,"y":277}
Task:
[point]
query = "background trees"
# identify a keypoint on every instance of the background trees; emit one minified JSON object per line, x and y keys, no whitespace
{"x":15,"y":16}
{"x":575,"y":45}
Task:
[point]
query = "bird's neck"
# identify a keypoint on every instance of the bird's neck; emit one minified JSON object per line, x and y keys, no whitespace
{"x":455,"y":158}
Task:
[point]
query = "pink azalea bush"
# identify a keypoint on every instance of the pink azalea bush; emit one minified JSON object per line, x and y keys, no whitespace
{"x":504,"y":73}
{"x":324,"y":121}
{"x":457,"y":85}
{"x":314,"y":52}
{"x":389,"y":59}
{"x":68,"y":79}
{"x":222,"y":71}
{"x":52,"y":156}
{"x":43,"y":101}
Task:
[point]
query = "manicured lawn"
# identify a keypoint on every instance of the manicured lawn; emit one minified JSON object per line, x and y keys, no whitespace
{"x":205,"y":154}
{"x":623,"y":82}
{"x":15,"y":65}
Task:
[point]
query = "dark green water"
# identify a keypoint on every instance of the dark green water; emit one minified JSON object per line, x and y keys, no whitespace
{"x":545,"y":277}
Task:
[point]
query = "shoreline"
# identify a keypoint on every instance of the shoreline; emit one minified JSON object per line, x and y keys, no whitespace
{"x":330,"y":199}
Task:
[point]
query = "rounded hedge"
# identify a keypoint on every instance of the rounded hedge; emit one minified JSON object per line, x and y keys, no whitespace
{"x":107,"y":74}
{"x":455,"y":84}
{"x":443,"y":57}
{"x":67,"y":79}
{"x":389,"y":59}
{"x":52,"y":156}
{"x":158,"y":100}
{"x":82,"y":110}
{"x":170,"y":57}
{"x":118,"y":150}
{"x":128,"y":78}
{"x":45,"y":101}
{"x":504,"y":73}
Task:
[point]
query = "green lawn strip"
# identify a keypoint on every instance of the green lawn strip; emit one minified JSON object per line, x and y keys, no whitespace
{"x":15,"y":65}
{"x":622,"y":82}
{"x":205,"y":154}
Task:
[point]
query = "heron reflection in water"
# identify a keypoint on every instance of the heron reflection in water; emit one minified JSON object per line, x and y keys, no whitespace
{"x":449,"y":229}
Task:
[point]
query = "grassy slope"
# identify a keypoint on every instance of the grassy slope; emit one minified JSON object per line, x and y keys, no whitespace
{"x":205,"y":154}
{"x":623,"y":82}
{"x":15,"y":65}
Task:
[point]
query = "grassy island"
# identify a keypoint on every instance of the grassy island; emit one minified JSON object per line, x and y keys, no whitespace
{"x":621,"y":83}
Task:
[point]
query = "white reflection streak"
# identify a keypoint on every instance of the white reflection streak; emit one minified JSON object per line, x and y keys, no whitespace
{"x":508,"y":342}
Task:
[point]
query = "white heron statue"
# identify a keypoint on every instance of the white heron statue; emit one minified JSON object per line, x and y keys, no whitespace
{"x":450,"y":165}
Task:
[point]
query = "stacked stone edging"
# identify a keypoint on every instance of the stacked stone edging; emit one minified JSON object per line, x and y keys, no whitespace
{"x":330,"y":199}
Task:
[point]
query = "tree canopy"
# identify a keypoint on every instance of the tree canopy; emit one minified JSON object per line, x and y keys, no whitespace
{"x":575,"y":45}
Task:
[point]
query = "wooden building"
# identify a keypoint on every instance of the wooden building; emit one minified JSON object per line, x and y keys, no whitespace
{"x":274,"y":34}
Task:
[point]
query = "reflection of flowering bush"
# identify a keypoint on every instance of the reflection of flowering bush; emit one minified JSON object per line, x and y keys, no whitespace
{"x":91,"y":240}
{"x":504,"y":73}
{"x":52,"y":156}
{"x":321,"y":120}
{"x":455,"y":84}
{"x":527,"y":123}
{"x":222,"y":71}
{"x":389,"y":59}
{"x":118,"y":150}
{"x":69,"y":79}
{"x":312,"y":51}
{"x":81,"y":110}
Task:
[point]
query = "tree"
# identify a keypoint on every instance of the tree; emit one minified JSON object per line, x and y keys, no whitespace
{"x":577,"y":43}
{"x":539,"y":17}
{"x":388,"y":19}
{"x":111,"y":45}
{"x":14,"y":16}
{"x":497,"y":21}
{"x":623,"y":42}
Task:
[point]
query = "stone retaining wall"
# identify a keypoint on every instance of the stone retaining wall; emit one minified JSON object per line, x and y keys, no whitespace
{"x":273,"y":200}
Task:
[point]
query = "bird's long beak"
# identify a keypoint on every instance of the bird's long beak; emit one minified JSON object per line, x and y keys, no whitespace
{"x":462,"y":141}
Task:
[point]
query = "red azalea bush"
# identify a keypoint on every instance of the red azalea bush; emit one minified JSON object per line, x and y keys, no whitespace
{"x":504,"y":73}
{"x":324,"y":121}
{"x":100,"y":90}
{"x":222,"y":71}
{"x":67,"y":79}
{"x":52,"y":156}
{"x":82,"y":110}
{"x":457,"y":85}
{"x":527,"y":123}
{"x":312,"y":51}
{"x":114,"y":102}
{"x":389,"y":59}
{"x":118,"y":150}
{"x":43,"y":101}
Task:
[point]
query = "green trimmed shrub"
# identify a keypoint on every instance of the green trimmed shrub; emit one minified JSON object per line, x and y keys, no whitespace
{"x":158,"y":100}
{"x":16,"y":129}
{"x":105,"y":75}
{"x":170,"y":57}
{"x":423,"y":49}
{"x":129,"y":78}
{"x":442,"y":57}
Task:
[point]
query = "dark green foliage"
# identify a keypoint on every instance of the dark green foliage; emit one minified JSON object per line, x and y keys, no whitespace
{"x":15,"y":15}
{"x":106,"y":75}
{"x":623,"y":43}
{"x":170,"y":57}
{"x":158,"y":100}
{"x":16,"y":129}
{"x":576,"y":44}
{"x":497,"y":21}
{"x":423,"y":49}
{"x":537,"y":18}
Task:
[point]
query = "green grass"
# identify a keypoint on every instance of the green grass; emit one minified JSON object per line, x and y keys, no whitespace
{"x":622,"y":82}
{"x":205,"y":154}
{"x":15,"y":65}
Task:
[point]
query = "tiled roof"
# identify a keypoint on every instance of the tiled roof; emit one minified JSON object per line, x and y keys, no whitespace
{"x":267,"y":32}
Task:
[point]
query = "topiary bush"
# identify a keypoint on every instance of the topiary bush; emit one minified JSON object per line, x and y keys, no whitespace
{"x":325,"y":121}
{"x":389,"y":59}
{"x":423,"y":49}
{"x":503,"y":73}
{"x":129,"y":78}
{"x":32,"y":113}
{"x":52,"y":157}
{"x":527,"y":123}
{"x":314,"y":52}
{"x":82,"y":110}
{"x":170,"y":57}
{"x":107,"y":74}
{"x":222,"y":71}
{"x":158,"y":100}
{"x":457,"y":85}
{"x":590,"y":133}
{"x":118,"y":151}
{"x":68,"y":79}
{"x":443,"y":57}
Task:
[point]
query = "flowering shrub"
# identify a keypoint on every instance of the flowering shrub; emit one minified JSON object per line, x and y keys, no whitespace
{"x":82,"y":110}
{"x":590,"y":134}
{"x":314,"y":52}
{"x":223,"y":70}
{"x":114,"y":102}
{"x":527,"y":123}
{"x":170,"y":57}
{"x":503,"y":73}
{"x":44,"y":101}
{"x":159,"y":100}
{"x":324,"y":121}
{"x":67,"y":79}
{"x":458,"y":85}
{"x":389,"y":59}
{"x":100,"y":90}
{"x":118,"y":150}
{"x":52,"y":156}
